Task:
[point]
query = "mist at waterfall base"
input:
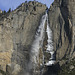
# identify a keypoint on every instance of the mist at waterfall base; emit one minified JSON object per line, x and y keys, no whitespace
{"x":37,"y":45}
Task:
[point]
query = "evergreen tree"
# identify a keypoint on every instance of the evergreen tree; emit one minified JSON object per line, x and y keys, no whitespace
{"x":9,"y":10}
{"x":4,"y":12}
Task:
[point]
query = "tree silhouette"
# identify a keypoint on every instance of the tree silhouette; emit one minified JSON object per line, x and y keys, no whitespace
{"x":9,"y":10}
{"x":4,"y":12}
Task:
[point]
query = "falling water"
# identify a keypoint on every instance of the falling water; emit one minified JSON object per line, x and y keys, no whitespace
{"x":50,"y":44}
{"x":38,"y":44}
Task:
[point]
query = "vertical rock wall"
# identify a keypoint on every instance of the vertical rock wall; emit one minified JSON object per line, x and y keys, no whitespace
{"x":17,"y":31}
{"x":18,"y":28}
{"x":62,"y":20}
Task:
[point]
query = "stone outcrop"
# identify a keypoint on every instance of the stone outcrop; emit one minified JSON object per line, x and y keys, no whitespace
{"x":0,"y":11}
{"x":17,"y":31}
{"x":62,"y":22}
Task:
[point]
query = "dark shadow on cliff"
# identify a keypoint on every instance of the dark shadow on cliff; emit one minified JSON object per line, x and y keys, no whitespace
{"x":66,"y":16}
{"x":53,"y":70}
{"x":2,"y":72}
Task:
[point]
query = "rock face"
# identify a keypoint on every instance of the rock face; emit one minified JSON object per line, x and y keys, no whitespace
{"x":0,"y":11}
{"x":17,"y":31}
{"x":62,"y":22}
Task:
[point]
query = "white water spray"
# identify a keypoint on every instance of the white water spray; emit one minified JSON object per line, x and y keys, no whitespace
{"x":49,"y":45}
{"x":38,"y":43}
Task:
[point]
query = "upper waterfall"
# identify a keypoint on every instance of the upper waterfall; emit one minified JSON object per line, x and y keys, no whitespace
{"x":38,"y":43}
{"x":37,"y":52}
{"x":50,"y":44}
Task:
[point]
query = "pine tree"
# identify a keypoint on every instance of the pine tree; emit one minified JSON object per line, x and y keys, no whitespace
{"x":4,"y":12}
{"x":9,"y":10}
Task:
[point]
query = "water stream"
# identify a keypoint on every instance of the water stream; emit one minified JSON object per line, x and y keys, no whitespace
{"x":37,"y":53}
{"x":50,"y":44}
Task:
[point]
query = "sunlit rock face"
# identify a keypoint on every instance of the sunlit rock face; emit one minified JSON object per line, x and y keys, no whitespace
{"x":62,"y":23}
{"x":17,"y":32}
{"x":0,"y":11}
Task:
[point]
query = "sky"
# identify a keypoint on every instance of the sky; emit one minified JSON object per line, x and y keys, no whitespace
{"x":6,"y":4}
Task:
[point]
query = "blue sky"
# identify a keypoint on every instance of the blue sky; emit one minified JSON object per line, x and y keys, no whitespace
{"x":6,"y":4}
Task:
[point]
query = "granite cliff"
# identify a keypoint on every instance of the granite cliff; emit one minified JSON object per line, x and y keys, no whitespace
{"x":17,"y":32}
{"x":62,"y":20}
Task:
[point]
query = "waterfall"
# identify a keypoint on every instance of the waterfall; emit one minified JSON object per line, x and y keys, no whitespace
{"x":37,"y":45}
{"x":50,"y":44}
